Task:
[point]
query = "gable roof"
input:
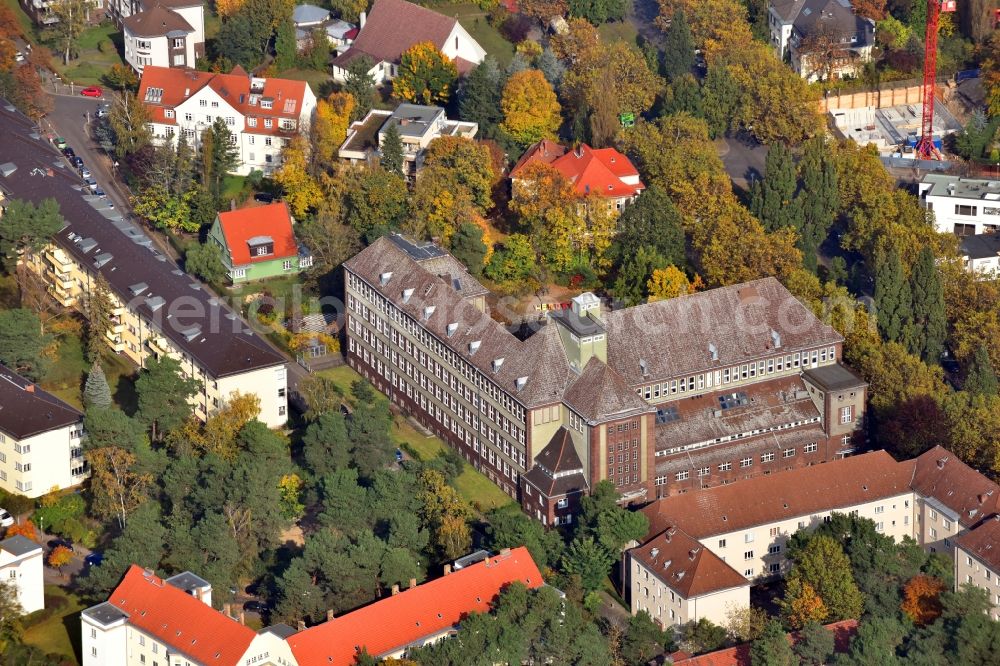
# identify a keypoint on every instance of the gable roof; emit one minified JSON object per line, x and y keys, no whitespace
{"x":981,"y":246}
{"x":179,"y":620}
{"x":558,"y":470}
{"x":787,"y":494}
{"x":156,"y":21}
{"x":684,"y":565}
{"x":26,"y":410}
{"x":983,"y":543}
{"x":835,"y":16}
{"x":940,"y":475}
{"x":392,"y":27}
{"x":739,"y":655}
{"x":244,"y":225}
{"x":601,"y":392}
{"x":425,"y":610}
{"x":591,"y":170}
{"x":545,"y":151}
{"x":19,"y":545}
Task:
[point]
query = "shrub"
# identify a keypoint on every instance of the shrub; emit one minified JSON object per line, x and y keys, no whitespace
{"x":106,"y":46}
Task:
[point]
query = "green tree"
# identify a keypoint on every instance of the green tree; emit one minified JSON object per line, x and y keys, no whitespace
{"x":10,"y":615}
{"x":981,"y":378}
{"x":823,"y":564}
{"x":549,"y":65}
{"x":286,"y":50}
{"x":509,"y":527}
{"x":27,"y":228}
{"x":818,"y":198}
{"x":129,"y":120}
{"x":99,"y":313}
{"x":142,"y":542}
{"x":588,"y":559}
{"x":163,"y":393}
{"x":219,"y":155}
{"x":772,"y":648}
{"x":678,"y":51}
{"x":512,"y":262}
{"x":65,"y":32}
{"x":893,"y":298}
{"x":361,"y":85}
{"x":704,"y":635}
{"x":876,"y":642}
{"x":815,"y":645}
{"x":391,"y":150}
{"x":377,"y":204}
{"x":468,"y":247}
{"x":244,"y":37}
{"x":479,"y":97}
{"x":631,"y":285}
{"x":721,"y":95}
{"x":205,"y":261}
{"x":325,"y":444}
{"x":684,"y":95}
{"x":597,"y":11}
{"x":22,"y":345}
{"x":773,"y":199}
{"x":96,"y":392}
{"x":651,"y":221}
{"x":644,"y":640}
{"x":930,"y":323}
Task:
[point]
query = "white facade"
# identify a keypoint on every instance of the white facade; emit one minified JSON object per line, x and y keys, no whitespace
{"x":649,"y":593}
{"x":42,"y":463}
{"x":173,"y":45}
{"x":21,"y":562}
{"x":460,"y":44}
{"x":964,"y":206}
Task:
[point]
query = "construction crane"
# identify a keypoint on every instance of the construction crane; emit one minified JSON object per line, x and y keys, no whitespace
{"x":925,"y":147}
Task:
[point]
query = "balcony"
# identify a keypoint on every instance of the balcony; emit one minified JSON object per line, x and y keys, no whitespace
{"x":115,"y":341}
{"x":58,"y":258}
{"x":158,"y":346}
{"x":65,"y":298}
{"x":116,"y":325}
{"x":63,"y":280}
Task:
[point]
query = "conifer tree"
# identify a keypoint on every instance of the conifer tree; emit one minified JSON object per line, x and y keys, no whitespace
{"x":929,"y":318}
{"x":99,"y":308}
{"x":772,"y":648}
{"x":678,"y":52}
{"x":392,"y":150}
{"x":479,"y":97}
{"x":773,"y":199}
{"x":818,"y":198}
{"x":982,"y":378}
{"x":892,"y":298}
{"x":96,"y":392}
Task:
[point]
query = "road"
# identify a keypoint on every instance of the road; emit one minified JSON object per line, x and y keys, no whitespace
{"x":743,"y":160}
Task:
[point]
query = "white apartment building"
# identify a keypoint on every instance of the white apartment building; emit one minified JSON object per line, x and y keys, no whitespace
{"x":21,"y":562}
{"x":164,"y":33}
{"x":262,"y":114}
{"x":963,"y":206}
{"x":158,"y":309}
{"x":981,"y":254}
{"x":745,"y":526}
{"x":977,"y":561}
{"x":41,"y":439}
{"x":793,"y":22}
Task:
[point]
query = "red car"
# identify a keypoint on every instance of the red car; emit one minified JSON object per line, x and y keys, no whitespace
{"x":92,"y":91}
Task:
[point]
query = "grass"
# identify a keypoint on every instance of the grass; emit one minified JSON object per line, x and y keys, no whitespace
{"x":233,"y":187}
{"x":473,"y":19}
{"x":318,"y":81}
{"x":92,"y":63}
{"x":60,"y":632}
{"x":618,"y":31}
{"x":474,"y":487}
{"x":68,"y":373}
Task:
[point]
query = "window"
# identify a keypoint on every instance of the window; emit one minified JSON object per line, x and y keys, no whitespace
{"x":251,"y":121}
{"x":722,"y":543}
{"x":704,"y":471}
{"x":188,"y":117}
{"x":880,"y":509}
{"x":267,"y":141}
{"x":287,"y":264}
{"x":725,"y":467}
{"x":179,"y":43}
{"x":230,"y":120}
{"x":788,"y":453}
{"x":933,"y":533}
{"x":748,"y":573}
{"x":774,"y":531}
{"x":268,"y":122}
{"x":746,"y":462}
{"x":845,"y":414}
{"x":93,"y":632}
{"x":748,"y":555}
{"x":767,"y":457}
{"x":965,"y":210}
{"x":879,"y":527}
{"x":563,"y":503}
{"x":775,"y":567}
{"x":748,"y":537}
{"x":681,"y":476}
{"x":203,"y":102}
{"x":811,"y":447}
{"x":947,"y":524}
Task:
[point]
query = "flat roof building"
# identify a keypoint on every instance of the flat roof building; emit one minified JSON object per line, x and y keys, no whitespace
{"x":963,"y":206}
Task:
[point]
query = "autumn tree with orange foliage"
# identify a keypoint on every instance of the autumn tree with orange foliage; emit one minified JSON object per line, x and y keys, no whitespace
{"x":25,"y":529}
{"x":801,"y":604}
{"x":329,"y":127}
{"x":60,"y":557}
{"x":922,"y":599}
{"x":530,"y":108}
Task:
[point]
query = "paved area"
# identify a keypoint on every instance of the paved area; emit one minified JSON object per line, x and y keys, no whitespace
{"x":743,"y":159}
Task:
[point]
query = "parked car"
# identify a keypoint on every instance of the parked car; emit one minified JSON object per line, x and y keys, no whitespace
{"x":60,"y":142}
{"x":255,"y":607}
{"x":399,"y":455}
{"x":69,"y":152}
{"x":77,"y":161}
{"x":66,"y":543}
{"x":18,"y":57}
{"x":6,"y":520}
{"x":102,"y":111}
{"x":101,"y":193}
{"x":110,"y":204}
{"x":93,"y":560}
{"x":90,"y":183}
{"x":92,"y":91}
{"x":264,"y":197}
{"x":84,"y":172}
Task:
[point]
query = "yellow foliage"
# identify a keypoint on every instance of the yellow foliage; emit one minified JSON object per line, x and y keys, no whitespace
{"x":329,"y":127}
{"x":226,"y":8}
{"x":671,"y":282}
{"x":530,"y":108}
{"x":301,"y":342}
{"x":302,"y":193}
{"x":425,"y":75}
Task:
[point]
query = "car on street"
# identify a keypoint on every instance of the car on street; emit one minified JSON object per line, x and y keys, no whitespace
{"x":92,"y":91}
{"x":60,"y":142}
{"x":6,"y":520}
{"x":77,"y":161}
{"x":18,"y":57}
{"x":90,"y":183}
{"x":255,"y":607}
{"x":69,"y":152}
{"x":264,"y":197}
{"x":100,"y":192}
{"x":84,"y":172}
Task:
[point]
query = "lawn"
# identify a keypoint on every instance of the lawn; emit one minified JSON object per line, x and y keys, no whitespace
{"x":473,"y":19}
{"x":471,"y":485}
{"x":98,"y":51}
{"x":320,"y":82}
{"x":66,"y":376}
{"x":233,"y":187}
{"x":618,"y":30}
{"x":60,"y":632}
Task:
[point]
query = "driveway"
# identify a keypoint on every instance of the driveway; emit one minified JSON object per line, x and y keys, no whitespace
{"x":743,"y":159}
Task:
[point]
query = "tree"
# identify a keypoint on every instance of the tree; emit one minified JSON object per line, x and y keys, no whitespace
{"x":823,"y":564}
{"x":142,"y":542}
{"x":349,"y":10}
{"x":893,"y":298}
{"x":99,"y":313}
{"x":378,"y":203}
{"x":96,"y":392}
{"x":470,"y":163}
{"x":678,"y":51}
{"x":360,"y":85}
{"x":27,"y":228}
{"x":325,"y":445}
{"x":163,"y":393}
{"x":25,"y":529}
{"x":219,"y":155}
{"x":10,"y":615}
{"x":60,"y":557}
{"x":929,"y":319}
{"x":244,"y":37}
{"x":773,"y":199}
{"x":121,"y":77}
{"x":772,"y":648}
{"x":745,"y":623}
{"x":703,"y":635}
{"x":876,"y":642}
{"x":597,"y":11}
{"x":815,"y":645}
{"x":922,"y":599}
{"x":22,"y":345}
{"x":653,"y":221}
{"x":286,"y":49}
{"x":116,"y":488}
{"x":205,"y":261}
{"x":544,"y":10}
{"x":822,"y":50}
{"x":530,"y":108}
{"x":644,"y":640}
{"x":446,"y":514}
{"x":425,"y":75}
{"x":671,"y":282}
{"x":391,"y":150}
{"x":479,"y":97}
{"x":468,"y":247}
{"x":818,"y":198}
{"x":513,"y":261}
{"x":301,"y":191}
{"x":130,"y":121}
{"x":981,"y":378}
{"x":329,"y":127}
{"x":589,"y":560}
{"x":801,"y":605}
{"x":635,"y":276}
{"x":553,"y":68}
{"x":72,"y":16}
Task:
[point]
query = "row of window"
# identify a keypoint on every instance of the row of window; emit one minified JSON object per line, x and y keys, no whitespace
{"x":767,"y":457}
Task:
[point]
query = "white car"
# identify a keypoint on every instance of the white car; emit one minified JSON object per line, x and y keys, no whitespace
{"x":6,"y":520}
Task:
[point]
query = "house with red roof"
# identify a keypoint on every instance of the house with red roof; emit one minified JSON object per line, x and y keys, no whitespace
{"x":263,"y":114}
{"x":601,"y":171}
{"x":393,"y":26}
{"x":258,"y":243}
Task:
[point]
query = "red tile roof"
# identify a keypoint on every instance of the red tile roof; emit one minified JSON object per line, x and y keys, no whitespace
{"x":273,"y":220}
{"x":179,"y":84}
{"x":685,"y":566}
{"x":411,"y":615}
{"x":179,"y":620}
{"x":843,"y":632}
{"x":592,"y":170}
{"x":942,"y":475}
{"x":983,"y":542}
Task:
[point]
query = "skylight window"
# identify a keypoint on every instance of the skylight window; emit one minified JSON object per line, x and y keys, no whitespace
{"x":667,"y":414}
{"x":738,"y":399}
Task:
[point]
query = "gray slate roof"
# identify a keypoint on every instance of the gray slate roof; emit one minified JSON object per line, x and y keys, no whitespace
{"x":834,"y":377}
{"x":105,"y":613}
{"x":18,"y":545}
{"x":309,"y":15}
{"x":26,"y":410}
{"x":981,"y":246}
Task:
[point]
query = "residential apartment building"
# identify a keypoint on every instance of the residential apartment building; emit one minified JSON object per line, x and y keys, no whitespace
{"x":21,"y":562}
{"x":603,"y":172}
{"x":150,"y":621}
{"x":41,"y":12}
{"x":41,"y":439}
{"x":164,"y":33}
{"x":659,"y":399}
{"x":935,"y":499}
{"x":821,"y":38}
{"x":158,"y":309}
{"x":963,"y":206}
{"x":392,"y":27}
{"x":981,"y":254}
{"x":417,"y":126}
{"x":262,"y":114}
{"x":977,"y":561}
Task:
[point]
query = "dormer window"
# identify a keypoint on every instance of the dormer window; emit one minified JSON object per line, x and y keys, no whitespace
{"x":266,"y":103}
{"x":268,"y":123}
{"x":261,"y":246}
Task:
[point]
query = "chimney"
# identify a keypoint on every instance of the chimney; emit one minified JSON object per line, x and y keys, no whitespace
{"x":504,"y":552}
{"x":395,"y":590}
{"x":362,"y":17}
{"x":413,"y":583}
{"x":447,"y":569}
{"x":30,"y":388}
{"x":301,"y":625}
{"x":329,"y":614}
{"x":243,"y":618}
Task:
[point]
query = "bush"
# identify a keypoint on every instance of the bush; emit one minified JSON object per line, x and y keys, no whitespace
{"x":17,"y":504}
{"x":106,"y":46}
{"x":60,"y":515}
